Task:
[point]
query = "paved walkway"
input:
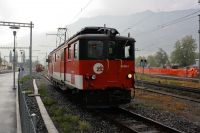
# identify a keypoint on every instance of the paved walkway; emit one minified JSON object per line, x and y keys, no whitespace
{"x":7,"y":104}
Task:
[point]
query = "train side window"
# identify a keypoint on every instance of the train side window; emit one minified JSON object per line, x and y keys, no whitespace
{"x":75,"y":51}
{"x":62,"y":55}
{"x":70,"y":52}
{"x":127,"y":53}
{"x":55,"y":58}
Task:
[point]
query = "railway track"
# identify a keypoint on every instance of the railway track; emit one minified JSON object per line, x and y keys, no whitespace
{"x":170,"y":94}
{"x":174,"y":87}
{"x":185,"y":93}
{"x":135,"y":123}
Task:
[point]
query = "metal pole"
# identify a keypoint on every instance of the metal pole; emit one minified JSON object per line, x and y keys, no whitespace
{"x":30,"y":52}
{"x":199,"y":44}
{"x":14,"y":33}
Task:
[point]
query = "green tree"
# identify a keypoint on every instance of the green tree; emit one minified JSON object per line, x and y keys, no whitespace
{"x":161,"y":57}
{"x":184,"y":53}
{"x":152,"y":61}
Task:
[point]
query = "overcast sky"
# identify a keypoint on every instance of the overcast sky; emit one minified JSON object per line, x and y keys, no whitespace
{"x":48,"y":15}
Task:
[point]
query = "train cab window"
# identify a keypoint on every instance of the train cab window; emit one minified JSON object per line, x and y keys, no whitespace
{"x":75,"y":51}
{"x":95,"y":49}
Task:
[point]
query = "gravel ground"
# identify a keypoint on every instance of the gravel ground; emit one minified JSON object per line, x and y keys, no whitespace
{"x":98,"y":125}
{"x":167,"y":118}
{"x":33,"y":107}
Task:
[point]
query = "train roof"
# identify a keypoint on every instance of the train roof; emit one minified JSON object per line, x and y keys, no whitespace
{"x":94,"y":32}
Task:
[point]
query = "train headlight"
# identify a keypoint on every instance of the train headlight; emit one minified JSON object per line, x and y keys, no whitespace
{"x":93,"y":77}
{"x":130,"y":76}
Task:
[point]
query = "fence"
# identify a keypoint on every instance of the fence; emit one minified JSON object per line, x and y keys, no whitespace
{"x":28,"y":121}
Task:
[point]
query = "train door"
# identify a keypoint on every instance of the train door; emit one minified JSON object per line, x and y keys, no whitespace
{"x":62,"y":64}
{"x":65,"y":69}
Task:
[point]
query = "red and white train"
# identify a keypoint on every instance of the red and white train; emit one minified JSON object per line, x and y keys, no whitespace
{"x":97,"y":63}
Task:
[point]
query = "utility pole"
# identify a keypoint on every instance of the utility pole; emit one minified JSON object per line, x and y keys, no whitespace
{"x":30,"y":50}
{"x":27,"y":25}
{"x":60,"y":36}
{"x":199,"y":44}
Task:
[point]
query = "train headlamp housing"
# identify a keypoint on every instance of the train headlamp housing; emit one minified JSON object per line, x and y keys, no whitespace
{"x":129,"y":76}
{"x":93,"y":77}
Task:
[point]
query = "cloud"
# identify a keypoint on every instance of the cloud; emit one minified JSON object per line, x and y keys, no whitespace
{"x":124,"y":7}
{"x":5,"y":11}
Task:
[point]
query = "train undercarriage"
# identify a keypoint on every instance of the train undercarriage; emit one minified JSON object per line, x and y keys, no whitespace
{"x":110,"y":97}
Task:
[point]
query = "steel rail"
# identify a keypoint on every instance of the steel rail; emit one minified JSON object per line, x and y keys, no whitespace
{"x":152,"y":122}
{"x":169,"y":94}
{"x":136,"y":123}
{"x":182,"y":88}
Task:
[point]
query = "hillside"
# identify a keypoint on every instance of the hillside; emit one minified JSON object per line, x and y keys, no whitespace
{"x":145,"y":27}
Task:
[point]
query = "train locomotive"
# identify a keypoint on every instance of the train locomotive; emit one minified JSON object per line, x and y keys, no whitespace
{"x":96,"y":63}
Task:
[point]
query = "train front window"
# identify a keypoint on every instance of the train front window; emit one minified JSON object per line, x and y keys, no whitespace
{"x":95,"y":49}
{"x":109,"y":49}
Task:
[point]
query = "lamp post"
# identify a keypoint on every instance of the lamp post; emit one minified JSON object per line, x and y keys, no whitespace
{"x":14,"y":28}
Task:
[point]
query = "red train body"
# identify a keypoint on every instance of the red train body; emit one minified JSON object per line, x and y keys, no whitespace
{"x":97,"y":63}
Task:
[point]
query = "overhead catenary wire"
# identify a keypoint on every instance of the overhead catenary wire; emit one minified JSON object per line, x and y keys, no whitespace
{"x":82,"y":9}
{"x":137,"y":23}
{"x":175,"y":21}
{"x":180,"y":19}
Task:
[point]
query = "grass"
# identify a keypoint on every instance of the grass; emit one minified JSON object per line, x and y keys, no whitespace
{"x":68,"y":122}
{"x":63,"y":117}
{"x":84,"y":125}
{"x":42,"y":90}
{"x":49,"y":101}
{"x":166,"y":81}
{"x":159,"y":101}
{"x":24,"y":79}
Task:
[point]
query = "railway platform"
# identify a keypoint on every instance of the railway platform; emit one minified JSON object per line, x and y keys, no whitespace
{"x":8,"y":122}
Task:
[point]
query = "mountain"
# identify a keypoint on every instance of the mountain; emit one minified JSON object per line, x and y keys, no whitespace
{"x":151,"y":30}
